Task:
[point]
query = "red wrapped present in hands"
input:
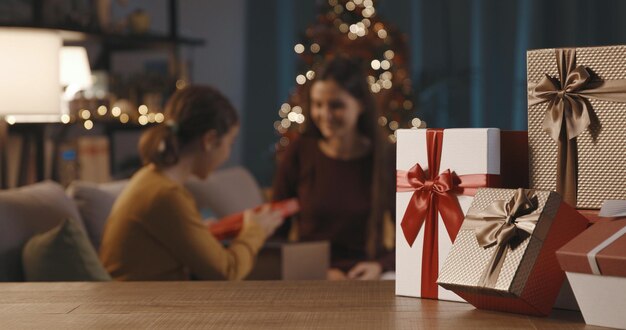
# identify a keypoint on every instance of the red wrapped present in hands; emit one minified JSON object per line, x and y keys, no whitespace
{"x":229,"y":226}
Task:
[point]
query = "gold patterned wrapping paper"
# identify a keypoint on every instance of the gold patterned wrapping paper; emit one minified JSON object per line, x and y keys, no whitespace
{"x":601,"y":147}
{"x":467,"y":260}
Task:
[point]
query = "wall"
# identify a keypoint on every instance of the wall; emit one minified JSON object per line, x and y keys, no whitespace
{"x":221,"y":61}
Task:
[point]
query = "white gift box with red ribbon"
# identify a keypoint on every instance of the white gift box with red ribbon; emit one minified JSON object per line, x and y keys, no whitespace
{"x":463,"y":152}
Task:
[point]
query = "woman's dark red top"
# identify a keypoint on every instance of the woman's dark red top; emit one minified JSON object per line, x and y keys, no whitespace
{"x":335,"y":199}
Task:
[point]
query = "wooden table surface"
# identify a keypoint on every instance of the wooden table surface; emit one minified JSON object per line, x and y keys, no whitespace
{"x":247,"y":305}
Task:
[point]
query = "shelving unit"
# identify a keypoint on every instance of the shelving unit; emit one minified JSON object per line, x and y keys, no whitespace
{"x":108,"y":43}
{"x":126,"y":41}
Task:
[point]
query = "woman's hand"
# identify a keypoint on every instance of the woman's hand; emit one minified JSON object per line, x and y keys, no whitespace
{"x":366,"y":270}
{"x":267,"y":219}
{"x":334,"y":274}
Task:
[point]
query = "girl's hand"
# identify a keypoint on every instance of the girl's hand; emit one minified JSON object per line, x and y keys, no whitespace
{"x":366,"y":270}
{"x":209,"y":221}
{"x":267,"y":219}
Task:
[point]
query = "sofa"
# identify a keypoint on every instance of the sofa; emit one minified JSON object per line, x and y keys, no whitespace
{"x":37,"y":208}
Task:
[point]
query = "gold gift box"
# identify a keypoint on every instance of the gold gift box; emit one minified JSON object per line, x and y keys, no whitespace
{"x":529,"y":278}
{"x":601,"y":146}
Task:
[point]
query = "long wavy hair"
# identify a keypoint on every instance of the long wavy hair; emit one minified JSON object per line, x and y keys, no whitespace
{"x":349,"y":74}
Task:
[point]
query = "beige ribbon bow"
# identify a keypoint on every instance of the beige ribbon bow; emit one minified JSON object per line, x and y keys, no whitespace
{"x":499,"y":224}
{"x":568,"y":112}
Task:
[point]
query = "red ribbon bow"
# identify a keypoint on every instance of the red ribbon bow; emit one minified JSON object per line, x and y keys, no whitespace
{"x":428,"y":195}
{"x":435,"y":193}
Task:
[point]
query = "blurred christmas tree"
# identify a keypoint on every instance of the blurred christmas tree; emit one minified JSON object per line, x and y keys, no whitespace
{"x":353,"y":28}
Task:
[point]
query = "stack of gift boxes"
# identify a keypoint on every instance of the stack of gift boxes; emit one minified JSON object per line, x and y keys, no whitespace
{"x":497,"y":218}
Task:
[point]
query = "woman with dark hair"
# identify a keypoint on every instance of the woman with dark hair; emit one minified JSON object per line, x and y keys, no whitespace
{"x":341,"y":171}
{"x":154,"y":231}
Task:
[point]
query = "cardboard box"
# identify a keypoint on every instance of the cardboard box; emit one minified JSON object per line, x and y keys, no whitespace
{"x":595,"y":264}
{"x":497,"y":158}
{"x":292,"y":261}
{"x":93,"y":159}
{"x":504,"y":256}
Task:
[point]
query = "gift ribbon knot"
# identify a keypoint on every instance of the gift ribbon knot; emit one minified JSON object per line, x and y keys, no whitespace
{"x":442,"y":183}
{"x":499,"y":224}
{"x":424,"y":198}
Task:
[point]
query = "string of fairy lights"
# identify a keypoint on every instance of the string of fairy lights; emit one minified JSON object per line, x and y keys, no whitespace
{"x":142,"y":117}
{"x":87,"y":118}
{"x":353,"y":26}
{"x":88,"y":112}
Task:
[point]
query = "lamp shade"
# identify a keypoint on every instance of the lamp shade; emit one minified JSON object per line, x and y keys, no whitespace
{"x":75,"y":68}
{"x":29,"y":72}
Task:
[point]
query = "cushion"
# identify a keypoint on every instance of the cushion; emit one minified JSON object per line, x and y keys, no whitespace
{"x":25,"y":212}
{"x":63,"y":253}
{"x":94,"y":202}
{"x":226,"y":191}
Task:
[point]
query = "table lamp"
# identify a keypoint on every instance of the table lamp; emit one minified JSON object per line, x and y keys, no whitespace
{"x":29,"y":80}
{"x":75,"y":73}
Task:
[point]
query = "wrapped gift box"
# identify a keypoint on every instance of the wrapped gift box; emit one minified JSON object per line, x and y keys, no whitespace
{"x":595,"y":264}
{"x":576,"y":119}
{"x":611,"y":210}
{"x":468,"y":158}
{"x":504,"y":255}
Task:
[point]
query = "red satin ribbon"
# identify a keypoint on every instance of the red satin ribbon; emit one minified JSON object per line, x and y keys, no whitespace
{"x":435,"y":193}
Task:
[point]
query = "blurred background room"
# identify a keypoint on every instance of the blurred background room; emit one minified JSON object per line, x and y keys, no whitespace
{"x":458,"y":64}
{"x":429,"y":63}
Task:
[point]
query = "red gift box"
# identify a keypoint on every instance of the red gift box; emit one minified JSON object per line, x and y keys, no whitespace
{"x":597,"y":251}
{"x":229,"y":226}
{"x":595,"y":264}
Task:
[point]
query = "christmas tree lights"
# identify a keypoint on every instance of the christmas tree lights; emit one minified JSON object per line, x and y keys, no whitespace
{"x":353,"y":28}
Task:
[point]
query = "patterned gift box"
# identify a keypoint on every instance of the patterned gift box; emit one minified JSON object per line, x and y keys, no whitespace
{"x":439,"y":171}
{"x":504,"y":255}
{"x":576,"y":119}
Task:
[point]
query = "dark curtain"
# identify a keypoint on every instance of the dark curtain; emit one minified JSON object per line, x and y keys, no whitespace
{"x":469,"y":57}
